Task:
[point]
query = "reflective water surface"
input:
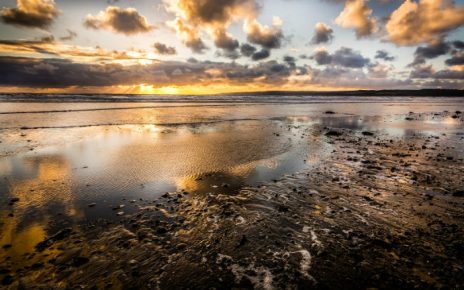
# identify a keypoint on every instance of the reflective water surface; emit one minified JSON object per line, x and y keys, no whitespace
{"x":68,"y":164}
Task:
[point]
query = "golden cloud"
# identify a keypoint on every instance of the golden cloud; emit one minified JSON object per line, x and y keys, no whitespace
{"x":30,"y":13}
{"x":426,"y":21}
{"x":126,"y":21}
{"x":357,"y":15}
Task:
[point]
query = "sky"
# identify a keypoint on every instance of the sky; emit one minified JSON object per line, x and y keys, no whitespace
{"x":219,"y":46}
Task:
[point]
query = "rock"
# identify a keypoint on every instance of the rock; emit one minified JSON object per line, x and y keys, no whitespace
{"x":64,"y":233}
{"x":79,"y":261}
{"x":333,"y":133}
{"x":242,"y":241}
{"x":282,"y":208}
{"x":367,"y":133}
{"x":133,"y":262}
{"x":459,"y":193}
{"x":7,"y":280}
{"x":14,"y":199}
{"x":91,"y":204}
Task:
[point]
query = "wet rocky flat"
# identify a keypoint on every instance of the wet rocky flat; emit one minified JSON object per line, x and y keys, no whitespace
{"x":379,"y":211}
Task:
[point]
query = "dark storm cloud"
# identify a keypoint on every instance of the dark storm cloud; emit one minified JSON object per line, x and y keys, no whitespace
{"x":322,"y":33}
{"x":247,"y":49}
{"x":224,"y":41}
{"x":38,"y":45}
{"x":382,"y":54}
{"x":290,"y":60}
{"x":456,"y":59}
{"x":344,"y":57}
{"x":126,"y":21}
{"x":30,"y":13}
{"x":267,"y":37}
{"x":59,"y":73}
{"x":322,"y":57}
{"x":163,"y":49}
{"x":260,"y":55}
{"x":427,"y":72}
{"x":231,"y":54}
{"x":458,"y":44}
{"x":430,"y":51}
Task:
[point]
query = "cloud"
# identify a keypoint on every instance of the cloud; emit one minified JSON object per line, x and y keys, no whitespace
{"x":424,"y":21}
{"x":427,"y":72}
{"x":225,"y":41}
{"x":213,"y":16}
{"x":40,"y":45}
{"x":189,"y":35}
{"x":458,"y":44}
{"x":382,"y":54}
{"x":19,"y":72}
{"x":379,"y":71}
{"x":126,"y":21}
{"x":71,"y":35}
{"x":322,"y":56}
{"x":260,"y":55}
{"x":430,"y":51}
{"x":267,"y":37}
{"x":162,"y":48}
{"x":456,"y":59}
{"x":59,"y":73}
{"x":212,"y":13}
{"x":30,"y":13}
{"x":322,"y":33}
{"x":247,"y":49}
{"x":357,"y":15}
{"x":344,"y":57}
{"x":290,"y":60}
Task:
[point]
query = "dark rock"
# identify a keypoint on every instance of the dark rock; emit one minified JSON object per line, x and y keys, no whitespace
{"x":161,"y":230}
{"x":242,"y":241}
{"x":64,"y":233}
{"x":282,"y":208}
{"x":333,"y":133}
{"x":7,"y":280}
{"x":14,"y":199}
{"x":459,"y":193}
{"x":79,"y":261}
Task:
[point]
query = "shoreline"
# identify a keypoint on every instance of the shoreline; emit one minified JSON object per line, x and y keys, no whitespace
{"x":378,"y":211}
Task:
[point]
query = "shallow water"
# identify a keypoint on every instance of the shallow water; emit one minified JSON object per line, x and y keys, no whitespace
{"x":75,"y":163}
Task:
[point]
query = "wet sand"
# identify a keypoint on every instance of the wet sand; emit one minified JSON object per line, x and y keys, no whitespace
{"x":369,"y":209}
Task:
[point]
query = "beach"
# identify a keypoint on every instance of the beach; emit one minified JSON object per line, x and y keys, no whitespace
{"x":297,"y":193}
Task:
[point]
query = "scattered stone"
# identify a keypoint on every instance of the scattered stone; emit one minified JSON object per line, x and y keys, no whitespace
{"x":333,"y":133}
